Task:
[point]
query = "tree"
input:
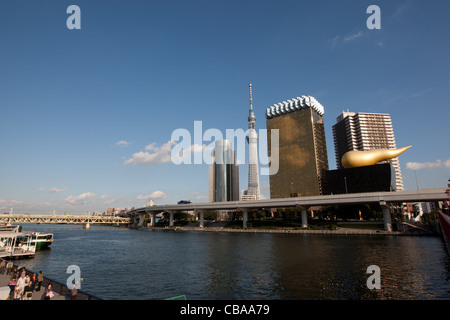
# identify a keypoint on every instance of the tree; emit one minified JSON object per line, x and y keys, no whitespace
{"x":210,"y":215}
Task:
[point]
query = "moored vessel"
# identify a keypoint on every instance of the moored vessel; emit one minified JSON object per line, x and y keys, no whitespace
{"x":42,"y":240}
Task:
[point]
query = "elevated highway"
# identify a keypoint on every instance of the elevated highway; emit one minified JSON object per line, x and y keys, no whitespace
{"x":384,"y":199}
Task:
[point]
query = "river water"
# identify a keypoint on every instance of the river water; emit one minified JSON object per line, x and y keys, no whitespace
{"x":126,"y":264}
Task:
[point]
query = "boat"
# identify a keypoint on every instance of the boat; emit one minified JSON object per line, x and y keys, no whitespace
{"x":16,"y":244}
{"x":39,"y":240}
{"x":42,"y":240}
{"x":10,"y":228}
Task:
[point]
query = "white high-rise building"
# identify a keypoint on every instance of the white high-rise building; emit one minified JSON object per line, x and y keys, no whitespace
{"x":365,"y":131}
{"x":253,"y":191}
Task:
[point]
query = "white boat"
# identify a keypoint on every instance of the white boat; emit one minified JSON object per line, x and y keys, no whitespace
{"x":16,"y":244}
{"x":41,"y":240}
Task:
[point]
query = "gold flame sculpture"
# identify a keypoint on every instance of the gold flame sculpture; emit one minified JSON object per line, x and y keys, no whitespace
{"x":353,"y":159}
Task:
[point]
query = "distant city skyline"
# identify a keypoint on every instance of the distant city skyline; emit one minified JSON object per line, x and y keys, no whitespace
{"x":87,"y":114}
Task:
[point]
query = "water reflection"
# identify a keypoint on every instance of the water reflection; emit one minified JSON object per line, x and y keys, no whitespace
{"x":313,"y":267}
{"x":240,"y":267}
{"x":330,"y":267}
{"x":131,"y":264}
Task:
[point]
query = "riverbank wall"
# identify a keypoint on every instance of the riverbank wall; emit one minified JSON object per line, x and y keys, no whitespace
{"x":340,"y":231}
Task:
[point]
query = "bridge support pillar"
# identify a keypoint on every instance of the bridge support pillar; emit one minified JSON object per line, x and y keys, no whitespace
{"x":141,"y":220}
{"x":386,"y":216}
{"x":134,"y":222}
{"x":304,"y":219}
{"x":153,"y":215}
{"x":244,"y":219}
{"x":86,"y":225}
{"x":171,"y":219}
{"x":202,"y":219}
{"x":304,"y":215}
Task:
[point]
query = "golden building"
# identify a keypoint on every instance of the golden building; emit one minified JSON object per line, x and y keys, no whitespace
{"x":302,"y":152}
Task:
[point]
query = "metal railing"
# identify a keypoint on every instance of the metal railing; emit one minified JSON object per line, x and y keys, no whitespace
{"x":64,"y":291}
{"x":60,"y":288}
{"x":62,"y":219}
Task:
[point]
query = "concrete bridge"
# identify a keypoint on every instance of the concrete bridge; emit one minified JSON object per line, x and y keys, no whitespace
{"x":86,"y":221}
{"x":384,"y":199}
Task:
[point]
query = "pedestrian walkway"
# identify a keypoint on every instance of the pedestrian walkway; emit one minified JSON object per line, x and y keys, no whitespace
{"x":60,"y":291}
{"x":37,"y":295}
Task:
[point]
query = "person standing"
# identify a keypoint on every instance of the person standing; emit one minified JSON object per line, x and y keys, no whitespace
{"x":9,"y":266}
{"x":48,"y":292}
{"x":33,"y":282}
{"x":2,"y":266}
{"x":28,"y":292}
{"x":20,"y":287}
{"x":40,"y":278}
{"x":12,"y":286}
{"x":74,"y":292}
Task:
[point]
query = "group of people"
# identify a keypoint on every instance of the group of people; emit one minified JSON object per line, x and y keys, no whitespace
{"x":22,"y":285}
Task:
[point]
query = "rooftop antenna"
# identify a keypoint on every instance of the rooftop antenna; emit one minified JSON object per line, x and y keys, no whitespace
{"x":251,"y":102}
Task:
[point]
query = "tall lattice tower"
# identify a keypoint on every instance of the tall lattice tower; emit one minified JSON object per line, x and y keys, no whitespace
{"x":253,"y":191}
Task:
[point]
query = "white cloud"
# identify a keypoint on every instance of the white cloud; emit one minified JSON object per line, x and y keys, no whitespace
{"x":56,"y":190}
{"x":109,"y":199}
{"x":21,"y":207}
{"x":154,"y":195}
{"x":157,"y":155}
{"x":122,"y":143}
{"x":197,"y":148}
{"x":113,"y":200}
{"x":354,"y":36}
{"x":345,"y":39}
{"x":428,"y":165}
{"x":402,"y":9}
{"x":9,"y":203}
{"x":335,"y":41}
{"x":194,"y":148}
{"x":152,"y":147}
{"x":80,"y":199}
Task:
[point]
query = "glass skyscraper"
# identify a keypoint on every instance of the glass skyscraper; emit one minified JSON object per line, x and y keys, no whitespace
{"x":223,"y":173}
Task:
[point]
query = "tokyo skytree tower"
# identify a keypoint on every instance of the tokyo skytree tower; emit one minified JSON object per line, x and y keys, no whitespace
{"x":253,"y":190}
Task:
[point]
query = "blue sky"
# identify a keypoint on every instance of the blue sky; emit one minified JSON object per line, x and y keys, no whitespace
{"x":138,"y":70}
